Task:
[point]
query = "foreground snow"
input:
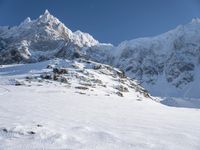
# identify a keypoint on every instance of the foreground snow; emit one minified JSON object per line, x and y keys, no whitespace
{"x":53,"y":116}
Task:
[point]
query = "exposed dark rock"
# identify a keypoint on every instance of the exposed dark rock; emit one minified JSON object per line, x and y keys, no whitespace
{"x":60,"y":70}
{"x":39,"y":125}
{"x":119,"y":94}
{"x":5,"y":130}
{"x":96,"y":67}
{"x":46,"y":76}
{"x":19,"y":83}
{"x":122,"y":88}
{"x":121,"y":74}
{"x":81,"y":88}
{"x":49,"y":66}
{"x":31,"y":132}
{"x":63,"y":80}
{"x":81,"y":93}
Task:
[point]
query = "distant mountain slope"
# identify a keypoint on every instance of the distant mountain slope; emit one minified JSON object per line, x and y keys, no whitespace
{"x":168,"y":64}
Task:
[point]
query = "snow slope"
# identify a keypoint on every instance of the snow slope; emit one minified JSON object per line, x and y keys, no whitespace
{"x":47,"y":114}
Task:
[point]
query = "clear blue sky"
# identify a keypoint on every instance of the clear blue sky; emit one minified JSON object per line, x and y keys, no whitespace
{"x":107,"y":20}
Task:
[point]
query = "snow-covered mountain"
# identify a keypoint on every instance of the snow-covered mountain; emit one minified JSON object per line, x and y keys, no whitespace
{"x":42,"y":39}
{"x":169,"y":61}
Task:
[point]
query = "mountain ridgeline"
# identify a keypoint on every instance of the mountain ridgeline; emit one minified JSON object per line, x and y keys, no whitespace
{"x":166,"y":65}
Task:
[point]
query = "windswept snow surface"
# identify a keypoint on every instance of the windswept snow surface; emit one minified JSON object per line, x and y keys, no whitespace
{"x":50,"y":115}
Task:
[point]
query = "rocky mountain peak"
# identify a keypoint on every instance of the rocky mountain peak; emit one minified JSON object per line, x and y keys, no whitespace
{"x":195,"y":20}
{"x":47,"y":12}
{"x":47,"y":17}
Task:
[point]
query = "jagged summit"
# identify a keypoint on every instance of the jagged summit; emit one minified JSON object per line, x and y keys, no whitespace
{"x":47,"y":17}
{"x":46,"y":12}
{"x":195,"y":20}
{"x":45,"y":37}
{"x":52,"y":26}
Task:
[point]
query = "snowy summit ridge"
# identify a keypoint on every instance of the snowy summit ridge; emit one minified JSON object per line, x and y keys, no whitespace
{"x":46,"y":37}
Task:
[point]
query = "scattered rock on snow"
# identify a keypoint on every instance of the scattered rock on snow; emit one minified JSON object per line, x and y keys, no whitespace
{"x":85,"y":75}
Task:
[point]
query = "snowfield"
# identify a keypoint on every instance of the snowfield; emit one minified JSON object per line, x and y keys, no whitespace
{"x":46,"y":114}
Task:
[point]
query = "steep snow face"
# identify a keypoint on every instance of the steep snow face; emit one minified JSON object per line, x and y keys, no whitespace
{"x":44,"y":38}
{"x":169,"y":61}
